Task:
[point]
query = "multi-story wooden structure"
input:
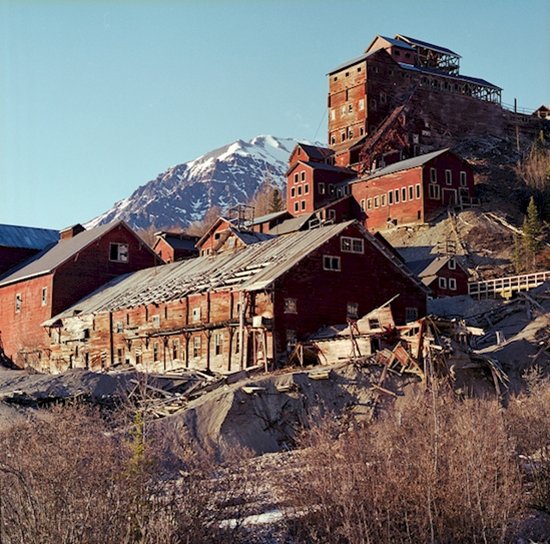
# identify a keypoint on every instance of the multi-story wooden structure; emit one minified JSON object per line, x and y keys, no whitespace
{"x":235,"y":309}
{"x":443,"y":275}
{"x":50,"y":281}
{"x":175,"y":246}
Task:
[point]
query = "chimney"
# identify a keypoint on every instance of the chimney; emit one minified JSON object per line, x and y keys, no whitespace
{"x":71,"y":232}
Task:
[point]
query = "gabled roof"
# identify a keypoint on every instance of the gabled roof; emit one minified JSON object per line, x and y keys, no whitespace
{"x":177,"y":240}
{"x":393,"y":41}
{"x":455,"y":77}
{"x":420,"y":43}
{"x":291,"y":225}
{"x":407,"y":164}
{"x":316,"y":151}
{"x":267,"y":218}
{"x":212,"y":228}
{"x":49,"y":259}
{"x":351,"y":62}
{"x":427,"y":269}
{"x":27,"y":237}
{"x":252,"y":268}
{"x":322,"y":166}
{"x":249,"y":238}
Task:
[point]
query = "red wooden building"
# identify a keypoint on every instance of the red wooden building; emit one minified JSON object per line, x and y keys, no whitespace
{"x":52,"y":280}
{"x":175,"y":246}
{"x":18,"y":243}
{"x":444,"y":276}
{"x":414,"y":190}
{"x":235,"y":309}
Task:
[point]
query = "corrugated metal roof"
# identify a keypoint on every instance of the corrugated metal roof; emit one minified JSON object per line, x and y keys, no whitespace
{"x":457,"y":77}
{"x":316,"y":151}
{"x":413,"y":162}
{"x":351,"y":62}
{"x":268,"y":217}
{"x":248,"y":237}
{"x":397,"y":42}
{"x":252,"y":268}
{"x":27,"y":237}
{"x":52,"y":257}
{"x":291,"y":225}
{"x":420,"y":43}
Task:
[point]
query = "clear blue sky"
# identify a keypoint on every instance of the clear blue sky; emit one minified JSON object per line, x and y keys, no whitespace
{"x":97,"y":98}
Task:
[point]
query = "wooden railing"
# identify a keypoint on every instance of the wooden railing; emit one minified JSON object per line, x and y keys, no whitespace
{"x":506,"y":286}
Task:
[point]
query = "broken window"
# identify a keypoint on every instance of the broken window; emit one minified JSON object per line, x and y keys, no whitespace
{"x":434,"y":192}
{"x":118,"y":252}
{"x":442,"y":283}
{"x":411,"y":314}
{"x":156,"y":321}
{"x":155,"y":351}
{"x":236,"y":340}
{"x":138,"y":355}
{"x":332,"y":214}
{"x":218,"y":342}
{"x":196,"y":347}
{"x":44,"y":299}
{"x":120,"y":356}
{"x":196,"y":314}
{"x":374,"y":323}
{"x":331,"y":263}
{"x":175,"y":349}
{"x":361,"y":104}
{"x":119,"y":327}
{"x":291,"y":306}
{"x":352,"y":310}
{"x":321,"y":188}
{"x":352,"y":245}
{"x":18,"y":302}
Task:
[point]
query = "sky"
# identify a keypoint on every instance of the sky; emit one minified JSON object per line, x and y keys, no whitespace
{"x":99,"y":97}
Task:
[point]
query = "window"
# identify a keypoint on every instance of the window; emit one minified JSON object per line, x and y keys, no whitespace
{"x":138,"y":357}
{"x":383,"y":200}
{"x":363,"y":204}
{"x":196,"y":347}
{"x":321,"y":188}
{"x":433,"y":175}
{"x":306,"y":189}
{"x":451,"y":264}
{"x":332,"y":214}
{"x":218,"y":344}
{"x":155,"y":319}
{"x":175,"y":349}
{"x":442,"y":283}
{"x":291,"y":338}
{"x":383,"y":98}
{"x":448,"y":177}
{"x":293,"y":192}
{"x":404,"y":194}
{"x":352,"y":310}
{"x":434,"y":192}
{"x":343,"y":136}
{"x":331,"y":263}
{"x":196,"y":314}
{"x":44,"y":296}
{"x":119,"y":327}
{"x":120,"y":355}
{"x":299,"y":190}
{"x":411,"y":192}
{"x":411,"y":314}
{"x":291,"y":306}
{"x":296,"y":206}
{"x":369,"y":204}
{"x":296,"y":177}
{"x":118,"y":252}
{"x":396,"y":195}
{"x":463,"y":181}
{"x":352,"y":245}
{"x":390,"y":198}
{"x":373,"y":104}
{"x":303,"y":176}
{"x":303,"y":204}
{"x":236,"y":342}
{"x":418,"y":190}
{"x":376,"y":202}
{"x":361,"y":104}
{"x":452,"y":284}
{"x":332,"y":115}
{"x":155,"y":352}
{"x":18,"y":302}
{"x":332,"y":139}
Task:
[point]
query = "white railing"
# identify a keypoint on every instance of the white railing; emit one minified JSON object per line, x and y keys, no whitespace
{"x":507,"y":286}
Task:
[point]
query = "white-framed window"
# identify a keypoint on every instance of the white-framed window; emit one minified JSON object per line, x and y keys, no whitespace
{"x":442,"y":282}
{"x":118,"y":252}
{"x":332,"y":214}
{"x":332,"y":263}
{"x":196,"y":314}
{"x":18,"y":302}
{"x":218,"y":343}
{"x":175,"y":349}
{"x":448,"y":177}
{"x":403,"y":194}
{"x":390,"y":197}
{"x":452,"y":284}
{"x":303,"y":176}
{"x":411,"y":192}
{"x":376,"y":202}
{"x":361,"y":104}
{"x":119,"y":327}
{"x":349,"y":244}
{"x":383,"y":200}
{"x":352,"y":310}
{"x":418,"y":190}
{"x":434,"y":192}
{"x":451,"y":264}
{"x":296,"y":177}
{"x":196,"y":347}
{"x":363,"y":204}
{"x":155,"y":319}
{"x":463,"y":179}
{"x":44,"y":296}
{"x":291,"y":306}
{"x":296,"y":206}
{"x":321,"y":188}
{"x":411,"y":314}
{"x":306,"y":189}
{"x":293,"y":192}
{"x":433,"y":175}
{"x":303,"y":204}
{"x":299,"y":190}
{"x":396,"y":196}
{"x":369,"y":203}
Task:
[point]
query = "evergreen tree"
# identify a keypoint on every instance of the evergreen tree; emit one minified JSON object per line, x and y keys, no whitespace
{"x":531,"y":231}
{"x":519,"y":255}
{"x":277,"y":203}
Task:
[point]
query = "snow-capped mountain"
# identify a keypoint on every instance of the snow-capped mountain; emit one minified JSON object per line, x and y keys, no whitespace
{"x":223,"y":177}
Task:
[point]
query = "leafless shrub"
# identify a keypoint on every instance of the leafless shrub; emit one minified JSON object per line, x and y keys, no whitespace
{"x":74,"y":479}
{"x":435,"y":470}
